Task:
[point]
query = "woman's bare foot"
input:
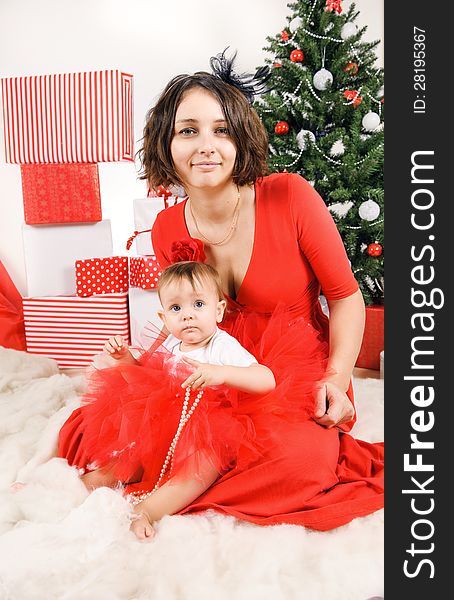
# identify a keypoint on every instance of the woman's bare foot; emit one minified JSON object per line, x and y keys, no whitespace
{"x":142,"y":528}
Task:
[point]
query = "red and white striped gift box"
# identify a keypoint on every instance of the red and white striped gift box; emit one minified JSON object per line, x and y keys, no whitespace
{"x":144,"y":272}
{"x":72,"y":330}
{"x":101,"y":275}
{"x":68,"y":118}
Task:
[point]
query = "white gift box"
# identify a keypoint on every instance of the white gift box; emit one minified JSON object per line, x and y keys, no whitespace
{"x":145,"y":212}
{"x":51,"y":250}
{"x":144,"y":321}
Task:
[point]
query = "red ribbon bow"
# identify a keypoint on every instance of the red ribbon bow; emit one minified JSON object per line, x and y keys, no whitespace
{"x":132,"y":238}
{"x":160,"y":192}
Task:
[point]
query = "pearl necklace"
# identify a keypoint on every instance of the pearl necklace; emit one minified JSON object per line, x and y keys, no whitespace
{"x":140,"y":495}
{"x":232,"y":227}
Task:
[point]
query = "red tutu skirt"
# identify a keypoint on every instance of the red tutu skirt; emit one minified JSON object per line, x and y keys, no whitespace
{"x":276,"y":464}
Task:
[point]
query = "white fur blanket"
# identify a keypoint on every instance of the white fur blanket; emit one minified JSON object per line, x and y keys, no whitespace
{"x":59,"y":542}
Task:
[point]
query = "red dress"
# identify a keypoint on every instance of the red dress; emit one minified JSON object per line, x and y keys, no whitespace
{"x":319,"y":477}
{"x":277,"y":464}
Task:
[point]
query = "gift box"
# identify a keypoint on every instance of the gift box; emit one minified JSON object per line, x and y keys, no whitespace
{"x":144,"y":272}
{"x":71,"y":330}
{"x":61,"y":193}
{"x":373,"y":339}
{"x":51,"y":251}
{"x":68,"y":118}
{"x":101,"y":275}
{"x":145,"y":212}
{"x":144,"y":321}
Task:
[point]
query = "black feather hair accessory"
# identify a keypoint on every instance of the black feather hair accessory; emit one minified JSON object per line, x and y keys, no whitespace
{"x":249,"y":85}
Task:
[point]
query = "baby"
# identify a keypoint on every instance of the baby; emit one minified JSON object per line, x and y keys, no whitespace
{"x":192,"y":306}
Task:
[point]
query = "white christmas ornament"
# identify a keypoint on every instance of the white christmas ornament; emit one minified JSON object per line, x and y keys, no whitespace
{"x":338,"y":148}
{"x":295,"y":24}
{"x":369,"y":210}
{"x":302,"y":138}
{"x":348,"y":31}
{"x":370,"y":121}
{"x":322,"y":79}
{"x":381,"y":92}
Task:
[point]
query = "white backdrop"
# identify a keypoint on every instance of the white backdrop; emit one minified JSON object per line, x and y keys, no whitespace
{"x":151,"y":39}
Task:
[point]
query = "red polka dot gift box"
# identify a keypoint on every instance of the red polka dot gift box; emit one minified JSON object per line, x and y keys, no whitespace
{"x":101,"y":276}
{"x":144,"y":272}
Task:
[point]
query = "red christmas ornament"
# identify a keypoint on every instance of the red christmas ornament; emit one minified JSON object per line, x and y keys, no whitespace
{"x":333,"y":6}
{"x":276,"y":65}
{"x":382,"y":100}
{"x":281,"y":127}
{"x":353,"y":96}
{"x":351,"y":68}
{"x":284,"y":36}
{"x":374,"y":249}
{"x":297,"y":56}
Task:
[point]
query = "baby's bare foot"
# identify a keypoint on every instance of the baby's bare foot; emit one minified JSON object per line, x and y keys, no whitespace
{"x":142,"y":528}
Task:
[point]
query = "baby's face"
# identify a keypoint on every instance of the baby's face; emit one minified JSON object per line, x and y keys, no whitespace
{"x":191,"y":315}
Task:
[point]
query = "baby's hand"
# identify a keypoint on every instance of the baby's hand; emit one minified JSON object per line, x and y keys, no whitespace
{"x":204,"y":375}
{"x":116,"y":347}
{"x":142,"y":528}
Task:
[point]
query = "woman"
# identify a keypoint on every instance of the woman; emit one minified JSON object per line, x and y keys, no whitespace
{"x":273,"y":242}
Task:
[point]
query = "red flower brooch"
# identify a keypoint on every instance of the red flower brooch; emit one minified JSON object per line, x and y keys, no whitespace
{"x":188,"y":249}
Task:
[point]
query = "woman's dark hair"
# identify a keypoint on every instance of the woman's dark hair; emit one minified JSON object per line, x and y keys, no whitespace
{"x":245,"y":128}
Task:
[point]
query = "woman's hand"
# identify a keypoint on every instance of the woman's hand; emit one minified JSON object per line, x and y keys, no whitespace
{"x":204,"y":375}
{"x":332,"y":405}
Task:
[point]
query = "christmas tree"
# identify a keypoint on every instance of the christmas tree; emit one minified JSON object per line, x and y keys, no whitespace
{"x":324,"y":117}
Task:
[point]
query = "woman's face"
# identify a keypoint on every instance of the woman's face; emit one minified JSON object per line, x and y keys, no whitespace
{"x":202,"y":151}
